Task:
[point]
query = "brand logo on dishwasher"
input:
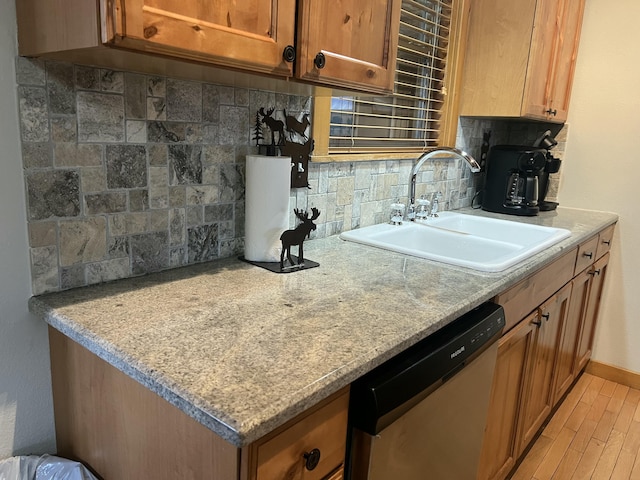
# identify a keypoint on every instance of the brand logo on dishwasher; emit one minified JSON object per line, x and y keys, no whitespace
{"x":458,"y":352}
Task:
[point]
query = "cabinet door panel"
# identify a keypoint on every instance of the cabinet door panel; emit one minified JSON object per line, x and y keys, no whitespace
{"x":540,"y":69}
{"x":566,"y":368}
{"x":539,"y":399}
{"x":499,"y":448}
{"x":605,"y":238}
{"x":281,"y":454}
{"x":248,"y":35}
{"x":598,"y":273}
{"x":566,"y":58}
{"x":358,"y":39}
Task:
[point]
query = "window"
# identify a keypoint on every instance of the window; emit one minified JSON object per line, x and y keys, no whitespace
{"x":418,"y":115}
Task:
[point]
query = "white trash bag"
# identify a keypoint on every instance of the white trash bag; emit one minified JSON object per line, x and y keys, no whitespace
{"x":46,"y":467}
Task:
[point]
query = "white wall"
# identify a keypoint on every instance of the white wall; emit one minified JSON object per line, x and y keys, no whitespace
{"x":602,"y":167}
{"x":26,"y":412}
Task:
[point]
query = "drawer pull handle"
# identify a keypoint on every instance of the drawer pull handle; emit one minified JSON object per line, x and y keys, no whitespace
{"x":537,"y":323}
{"x":607,"y":242}
{"x":320,"y":61}
{"x":312,"y":459}
{"x":594,"y":272}
{"x":289,"y":53}
{"x":545,"y":316}
{"x":588,"y":254}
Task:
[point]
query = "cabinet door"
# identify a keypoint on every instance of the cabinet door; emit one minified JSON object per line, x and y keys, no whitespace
{"x":540,"y":69}
{"x":500,"y":448}
{"x":598,"y":273}
{"x":566,"y":368}
{"x":322,"y":429}
{"x":539,"y":399}
{"x":351,"y":43}
{"x":566,"y":59}
{"x":251,"y":34}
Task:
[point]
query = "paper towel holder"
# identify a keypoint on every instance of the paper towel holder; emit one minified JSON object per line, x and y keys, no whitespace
{"x":300,"y":153}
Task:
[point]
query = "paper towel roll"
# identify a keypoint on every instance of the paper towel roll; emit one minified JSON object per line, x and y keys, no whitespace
{"x":266,"y":208}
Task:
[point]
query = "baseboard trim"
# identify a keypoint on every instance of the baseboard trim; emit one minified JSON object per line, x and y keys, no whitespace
{"x":615,"y":374}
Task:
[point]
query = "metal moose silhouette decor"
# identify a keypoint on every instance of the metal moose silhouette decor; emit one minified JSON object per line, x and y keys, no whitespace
{"x":289,"y":145}
{"x":297,"y":236}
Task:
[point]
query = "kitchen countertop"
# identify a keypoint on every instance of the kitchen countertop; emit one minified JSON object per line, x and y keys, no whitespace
{"x":242,"y":350}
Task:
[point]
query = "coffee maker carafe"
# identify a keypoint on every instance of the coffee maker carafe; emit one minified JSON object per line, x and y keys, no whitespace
{"x":511,"y":184}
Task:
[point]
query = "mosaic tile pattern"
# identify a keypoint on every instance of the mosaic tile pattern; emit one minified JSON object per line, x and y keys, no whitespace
{"x":127,"y":174}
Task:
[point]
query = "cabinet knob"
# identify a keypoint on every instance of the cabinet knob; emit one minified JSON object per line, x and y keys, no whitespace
{"x":289,"y":53}
{"x":545,"y":316}
{"x":320,"y":61}
{"x":594,"y":272}
{"x":537,"y":323}
{"x":553,"y":112}
{"x":606,"y":242}
{"x":312,"y":459}
{"x":588,"y":254}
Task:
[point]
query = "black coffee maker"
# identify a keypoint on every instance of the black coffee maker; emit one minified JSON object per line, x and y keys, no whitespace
{"x":552,"y":165}
{"x":512,"y":179}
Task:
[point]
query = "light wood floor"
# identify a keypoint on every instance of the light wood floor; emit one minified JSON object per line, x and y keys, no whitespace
{"x":595,"y":434}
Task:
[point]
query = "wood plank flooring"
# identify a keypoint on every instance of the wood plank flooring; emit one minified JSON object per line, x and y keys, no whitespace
{"x":595,"y":434}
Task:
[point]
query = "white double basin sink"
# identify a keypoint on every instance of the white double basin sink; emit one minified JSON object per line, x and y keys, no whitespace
{"x":480,"y":243}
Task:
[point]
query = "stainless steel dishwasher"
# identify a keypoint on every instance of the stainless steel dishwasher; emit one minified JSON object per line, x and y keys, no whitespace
{"x":422,"y":414}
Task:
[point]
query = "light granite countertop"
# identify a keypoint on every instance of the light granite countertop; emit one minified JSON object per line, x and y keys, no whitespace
{"x":242,"y":350}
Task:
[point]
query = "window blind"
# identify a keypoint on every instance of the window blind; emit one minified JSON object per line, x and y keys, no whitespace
{"x":409,"y":119}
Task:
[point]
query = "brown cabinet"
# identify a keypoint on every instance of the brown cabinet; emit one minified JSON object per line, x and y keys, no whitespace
{"x":500,"y":448}
{"x":347,"y":44}
{"x":544,"y":351}
{"x":549,"y":321}
{"x":597,"y":274}
{"x":351,"y":45}
{"x":312,"y":448}
{"x":566,"y":368}
{"x":250,"y":34}
{"x":121,"y":429}
{"x":520,"y":58}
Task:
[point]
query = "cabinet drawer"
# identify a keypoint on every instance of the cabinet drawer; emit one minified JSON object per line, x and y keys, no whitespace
{"x":586,"y":254}
{"x":526,"y":295}
{"x":282,"y":454}
{"x":604,"y":241}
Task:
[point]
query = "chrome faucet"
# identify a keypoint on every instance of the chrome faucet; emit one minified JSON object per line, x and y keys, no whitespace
{"x":475,"y":167}
{"x":435,"y":202}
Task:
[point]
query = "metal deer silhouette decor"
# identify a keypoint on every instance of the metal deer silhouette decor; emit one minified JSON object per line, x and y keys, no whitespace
{"x":289,"y":145}
{"x":297,"y":236}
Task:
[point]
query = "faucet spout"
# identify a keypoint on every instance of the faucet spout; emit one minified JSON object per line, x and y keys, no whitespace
{"x":449,"y":151}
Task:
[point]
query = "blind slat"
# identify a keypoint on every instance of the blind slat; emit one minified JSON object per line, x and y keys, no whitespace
{"x":409,"y":118}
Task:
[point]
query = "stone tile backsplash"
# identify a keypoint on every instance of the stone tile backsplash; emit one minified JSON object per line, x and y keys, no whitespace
{"x":127,"y":174}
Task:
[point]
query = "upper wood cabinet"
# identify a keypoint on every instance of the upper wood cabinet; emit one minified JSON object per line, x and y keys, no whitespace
{"x":351,"y":45}
{"x":520,"y":58}
{"x":250,"y":34}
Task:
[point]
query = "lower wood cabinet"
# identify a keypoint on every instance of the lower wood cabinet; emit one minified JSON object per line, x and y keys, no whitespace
{"x":566,"y":367}
{"x":311,"y":448}
{"x":538,"y":401}
{"x":550,"y":326}
{"x":123,"y":430}
{"x":597,"y":274}
{"x":500,"y":448}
